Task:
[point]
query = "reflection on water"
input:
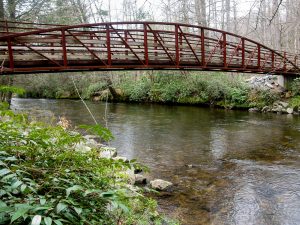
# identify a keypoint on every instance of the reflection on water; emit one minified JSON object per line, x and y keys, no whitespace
{"x":246,"y":167}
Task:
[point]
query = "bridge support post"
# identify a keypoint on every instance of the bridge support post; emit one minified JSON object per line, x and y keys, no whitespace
{"x":285,"y":81}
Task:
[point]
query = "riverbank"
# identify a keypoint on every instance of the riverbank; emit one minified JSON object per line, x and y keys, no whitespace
{"x":51,"y":175}
{"x":228,"y":91}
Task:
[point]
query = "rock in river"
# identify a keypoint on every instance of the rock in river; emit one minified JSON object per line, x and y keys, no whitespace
{"x":160,"y":185}
{"x":289,"y":110}
{"x":140,"y":179}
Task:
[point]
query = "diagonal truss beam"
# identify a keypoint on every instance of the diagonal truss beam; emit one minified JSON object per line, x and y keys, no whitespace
{"x":127,"y":45}
{"x":189,"y":44}
{"x":251,"y":57}
{"x":214,"y":50}
{"x":156,"y":37}
{"x":234,"y":52}
{"x":87,"y":48}
{"x":37,"y":52}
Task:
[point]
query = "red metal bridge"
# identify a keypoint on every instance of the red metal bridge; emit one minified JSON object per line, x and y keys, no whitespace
{"x":40,"y":48}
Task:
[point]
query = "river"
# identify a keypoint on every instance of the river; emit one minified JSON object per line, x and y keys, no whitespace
{"x":228,"y":167}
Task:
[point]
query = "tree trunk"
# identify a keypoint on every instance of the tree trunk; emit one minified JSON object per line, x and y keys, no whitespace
{"x":1,"y":10}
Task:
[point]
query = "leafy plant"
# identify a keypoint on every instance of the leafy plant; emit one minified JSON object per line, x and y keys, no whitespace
{"x":13,"y":89}
{"x":295,"y":86}
{"x":45,"y":180}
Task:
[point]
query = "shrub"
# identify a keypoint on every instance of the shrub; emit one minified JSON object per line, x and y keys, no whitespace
{"x":261,"y":98}
{"x":295,"y":101}
{"x":45,"y":180}
{"x":94,"y":88}
{"x":295,"y":86}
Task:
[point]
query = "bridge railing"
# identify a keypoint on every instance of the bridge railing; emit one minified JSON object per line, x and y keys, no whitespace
{"x":12,"y":27}
{"x":136,"y":45}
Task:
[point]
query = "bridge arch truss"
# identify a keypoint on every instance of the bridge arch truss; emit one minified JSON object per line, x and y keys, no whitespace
{"x":40,"y":48}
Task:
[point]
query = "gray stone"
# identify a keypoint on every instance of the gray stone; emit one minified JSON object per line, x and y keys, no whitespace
{"x":289,"y":110}
{"x":253,"y":110}
{"x":130,"y":176}
{"x":269,"y":85}
{"x":277,"y":109}
{"x":266,"y":109}
{"x":140,"y":179}
{"x":283,"y":104}
{"x":160,"y":185}
{"x":88,"y":137}
{"x":122,"y":158}
{"x":108,"y":152}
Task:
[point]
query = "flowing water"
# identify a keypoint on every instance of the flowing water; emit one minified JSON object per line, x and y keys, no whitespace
{"x":228,"y":167}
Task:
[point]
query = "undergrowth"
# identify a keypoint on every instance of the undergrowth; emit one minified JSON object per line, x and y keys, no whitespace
{"x":44,"y":179}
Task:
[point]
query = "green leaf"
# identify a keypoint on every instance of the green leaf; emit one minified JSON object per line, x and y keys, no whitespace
{"x":23,"y":187}
{"x":41,"y":208}
{"x":74,"y":188}
{"x":2,"y":163}
{"x":16,"y":184}
{"x":89,"y":191}
{"x":7,"y":177}
{"x":108,"y":194}
{"x":5,"y":209}
{"x":60,"y":207}
{"x":48,"y":220}
{"x":123,"y":207}
{"x":57,"y":222}
{"x":4,"y":172}
{"x":20,"y":212}
{"x":36,"y":220}
{"x":42,"y":201}
{"x":78,"y":210}
{"x":12,"y":158}
{"x":2,"y":204}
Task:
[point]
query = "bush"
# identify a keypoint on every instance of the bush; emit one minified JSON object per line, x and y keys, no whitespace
{"x":93,"y":89}
{"x":136,"y":90}
{"x":295,"y":102}
{"x":45,"y":180}
{"x":261,"y":98}
{"x":295,"y":86}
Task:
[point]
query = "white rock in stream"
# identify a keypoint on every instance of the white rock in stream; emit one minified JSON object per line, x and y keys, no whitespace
{"x":289,"y":110}
{"x":82,"y":147}
{"x":160,"y":185}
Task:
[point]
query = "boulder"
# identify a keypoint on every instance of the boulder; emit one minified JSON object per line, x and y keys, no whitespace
{"x":266,"y":109}
{"x":140,"y":179}
{"x":160,"y":185}
{"x":277,"y":108}
{"x":253,"y":110}
{"x":108,"y":152}
{"x":289,"y":110}
{"x":283,"y":104}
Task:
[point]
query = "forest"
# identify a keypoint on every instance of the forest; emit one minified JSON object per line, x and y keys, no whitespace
{"x":54,"y":171}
